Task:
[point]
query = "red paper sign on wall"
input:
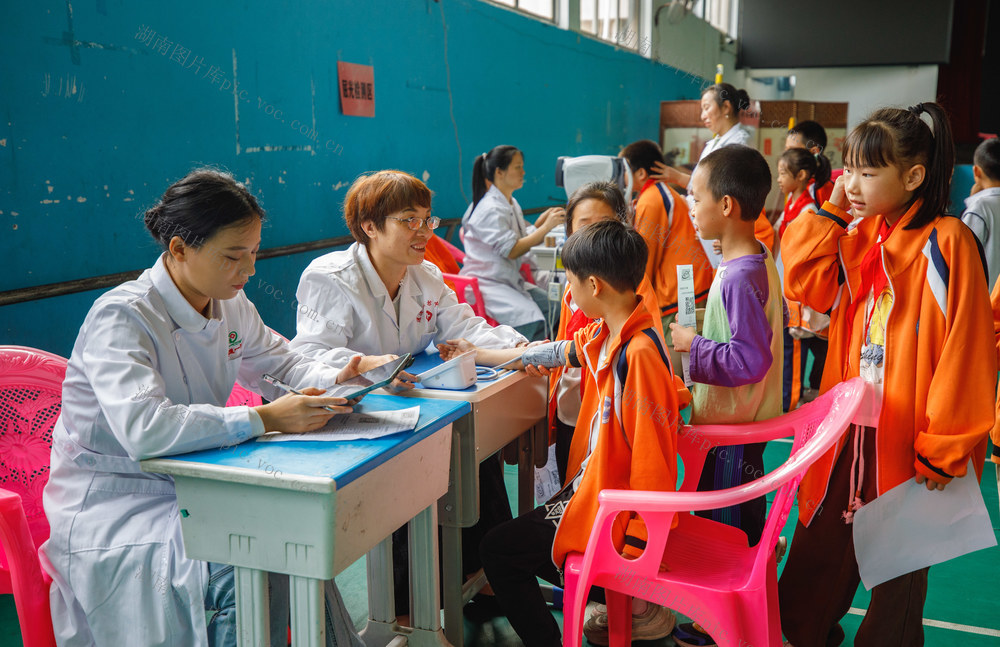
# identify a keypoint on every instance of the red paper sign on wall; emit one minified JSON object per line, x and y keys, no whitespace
{"x":357,"y":89}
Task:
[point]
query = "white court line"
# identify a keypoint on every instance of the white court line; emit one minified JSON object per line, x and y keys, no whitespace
{"x":782,"y":440}
{"x":969,"y":629}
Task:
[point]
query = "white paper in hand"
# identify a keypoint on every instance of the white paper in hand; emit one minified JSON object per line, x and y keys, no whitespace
{"x":686,"y":315}
{"x":909,"y":528}
{"x":356,"y":426}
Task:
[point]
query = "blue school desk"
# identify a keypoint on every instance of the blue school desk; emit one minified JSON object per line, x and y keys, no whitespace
{"x":513,"y":407}
{"x":310,"y":509}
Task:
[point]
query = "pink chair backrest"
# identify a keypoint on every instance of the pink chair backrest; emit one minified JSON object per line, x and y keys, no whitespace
{"x":243,"y":397}
{"x":816,"y":427}
{"x":455,"y":252}
{"x":240,"y":397}
{"x":30,"y":402}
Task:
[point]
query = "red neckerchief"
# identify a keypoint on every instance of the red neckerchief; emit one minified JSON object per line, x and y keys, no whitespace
{"x":793,"y":209}
{"x":873,"y":277}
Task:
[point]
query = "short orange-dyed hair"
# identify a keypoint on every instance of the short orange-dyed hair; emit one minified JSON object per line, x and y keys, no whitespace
{"x":374,"y":196}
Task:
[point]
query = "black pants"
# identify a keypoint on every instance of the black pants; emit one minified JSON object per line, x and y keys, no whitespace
{"x":730,"y":466}
{"x":813,"y":345}
{"x":494,"y":509}
{"x":564,"y":436}
{"x":514,"y":554}
{"x":821,"y":576}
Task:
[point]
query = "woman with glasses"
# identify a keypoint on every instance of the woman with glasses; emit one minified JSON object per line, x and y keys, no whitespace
{"x":380,"y":296}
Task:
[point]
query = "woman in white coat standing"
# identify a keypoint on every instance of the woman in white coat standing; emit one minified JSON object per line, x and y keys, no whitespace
{"x":381,"y":296}
{"x":497,"y":240}
{"x":721,"y":105}
{"x":152,"y":367}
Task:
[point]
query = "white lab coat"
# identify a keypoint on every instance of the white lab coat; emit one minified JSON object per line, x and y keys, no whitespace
{"x":491,"y":231}
{"x":738,"y":134}
{"x":344,"y":304}
{"x":149,"y":376}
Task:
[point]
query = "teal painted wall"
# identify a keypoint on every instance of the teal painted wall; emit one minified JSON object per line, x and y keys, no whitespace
{"x":95,"y":123}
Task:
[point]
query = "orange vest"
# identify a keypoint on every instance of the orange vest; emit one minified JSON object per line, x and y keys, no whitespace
{"x":940,"y":364}
{"x":763,"y":230}
{"x":441,"y":256}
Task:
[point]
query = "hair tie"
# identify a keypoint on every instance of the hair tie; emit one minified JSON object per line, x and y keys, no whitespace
{"x":917,"y":109}
{"x":483,"y":156}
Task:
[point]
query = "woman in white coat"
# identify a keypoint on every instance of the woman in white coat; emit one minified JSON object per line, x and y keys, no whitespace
{"x":721,"y":105}
{"x":381,"y":296}
{"x":497,"y":241}
{"x":152,"y":367}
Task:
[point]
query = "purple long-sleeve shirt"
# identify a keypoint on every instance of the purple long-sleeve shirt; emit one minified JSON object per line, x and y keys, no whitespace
{"x":740,"y":354}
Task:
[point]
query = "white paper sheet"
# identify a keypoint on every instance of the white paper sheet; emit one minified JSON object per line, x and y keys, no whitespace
{"x":356,"y":426}
{"x":909,"y":528}
{"x":686,"y":315}
{"x":547,"y":478}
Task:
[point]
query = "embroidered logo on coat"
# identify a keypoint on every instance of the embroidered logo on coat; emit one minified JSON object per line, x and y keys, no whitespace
{"x":235,"y":343}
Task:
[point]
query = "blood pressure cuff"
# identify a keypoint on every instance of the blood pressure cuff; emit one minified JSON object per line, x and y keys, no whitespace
{"x":549,"y":355}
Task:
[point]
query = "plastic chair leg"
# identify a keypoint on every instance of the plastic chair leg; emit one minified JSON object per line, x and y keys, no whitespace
{"x":619,"y":618}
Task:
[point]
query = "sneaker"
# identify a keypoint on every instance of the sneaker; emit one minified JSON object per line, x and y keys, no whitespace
{"x":687,"y":635}
{"x":654,"y":623}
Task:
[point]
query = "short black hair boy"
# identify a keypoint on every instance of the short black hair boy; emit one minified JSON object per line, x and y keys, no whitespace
{"x":740,"y":172}
{"x":609,"y":250}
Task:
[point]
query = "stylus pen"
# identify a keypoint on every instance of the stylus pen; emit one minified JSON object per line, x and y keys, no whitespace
{"x":273,"y":381}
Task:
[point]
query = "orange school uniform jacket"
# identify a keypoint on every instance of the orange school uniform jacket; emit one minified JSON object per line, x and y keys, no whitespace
{"x":763,"y":231}
{"x":661,"y":216}
{"x":636,"y":420}
{"x":569,"y":323}
{"x":940,"y":362}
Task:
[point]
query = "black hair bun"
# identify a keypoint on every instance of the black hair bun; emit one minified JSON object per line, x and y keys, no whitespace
{"x":152,"y":220}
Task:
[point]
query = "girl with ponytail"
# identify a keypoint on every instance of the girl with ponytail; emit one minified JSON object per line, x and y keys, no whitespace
{"x":496,"y":237}
{"x":909,"y":313}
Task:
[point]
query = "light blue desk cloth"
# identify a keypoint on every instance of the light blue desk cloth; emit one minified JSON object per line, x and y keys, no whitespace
{"x":341,"y":461}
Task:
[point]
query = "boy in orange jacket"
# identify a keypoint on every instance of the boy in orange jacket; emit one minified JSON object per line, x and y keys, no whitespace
{"x":625,"y":435}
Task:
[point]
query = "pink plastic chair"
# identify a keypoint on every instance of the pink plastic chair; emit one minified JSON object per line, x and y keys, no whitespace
{"x":30,"y":402}
{"x":240,"y":397}
{"x":463,"y":284}
{"x":702,"y":568}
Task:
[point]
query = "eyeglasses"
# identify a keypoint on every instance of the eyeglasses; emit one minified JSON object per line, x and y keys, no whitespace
{"x":414,"y":223}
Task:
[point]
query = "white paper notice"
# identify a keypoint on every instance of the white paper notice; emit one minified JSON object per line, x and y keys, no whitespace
{"x":356,"y":426}
{"x":909,"y":528}
{"x":547,"y":479}
{"x":685,"y":312}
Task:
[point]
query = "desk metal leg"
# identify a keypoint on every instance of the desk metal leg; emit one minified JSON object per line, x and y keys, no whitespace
{"x":381,"y":627}
{"x":451,"y":579}
{"x":253,"y":613}
{"x":426,"y":609}
{"x":308,"y":613}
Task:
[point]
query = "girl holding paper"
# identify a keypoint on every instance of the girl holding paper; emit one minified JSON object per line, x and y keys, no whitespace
{"x":910,"y":312}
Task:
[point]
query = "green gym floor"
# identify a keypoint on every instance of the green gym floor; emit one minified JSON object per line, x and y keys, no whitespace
{"x":962,"y":600}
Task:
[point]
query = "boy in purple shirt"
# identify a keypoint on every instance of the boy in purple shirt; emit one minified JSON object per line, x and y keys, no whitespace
{"x":736,"y":363}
